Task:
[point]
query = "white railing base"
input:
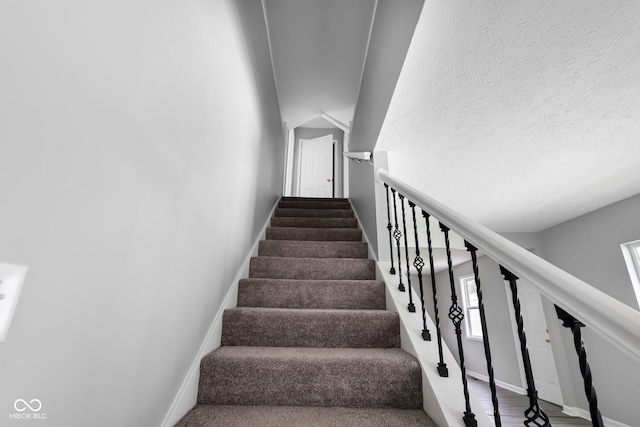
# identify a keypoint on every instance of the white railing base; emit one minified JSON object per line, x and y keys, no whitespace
{"x":442,"y":396}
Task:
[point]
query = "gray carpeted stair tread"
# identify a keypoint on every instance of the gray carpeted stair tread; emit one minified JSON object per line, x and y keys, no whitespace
{"x":292,"y":293}
{"x":314,"y":222}
{"x":328,"y":328}
{"x":290,"y":376}
{"x":296,"y":416}
{"x":312,"y":249}
{"x":310,"y":342}
{"x":313,"y":213}
{"x":314,"y":234}
{"x":311,"y":204}
{"x":312,"y":268}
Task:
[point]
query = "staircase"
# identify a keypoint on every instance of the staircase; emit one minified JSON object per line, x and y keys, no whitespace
{"x":310,"y":342}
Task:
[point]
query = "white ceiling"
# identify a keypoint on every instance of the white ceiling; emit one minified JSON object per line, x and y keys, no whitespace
{"x":318,"y":50}
{"x":521,"y":115}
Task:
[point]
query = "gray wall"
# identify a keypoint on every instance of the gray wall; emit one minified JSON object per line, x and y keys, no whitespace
{"x":589,"y":248}
{"x":392,"y":31}
{"x":503,"y":347}
{"x":142,"y":152}
{"x":338,"y":158}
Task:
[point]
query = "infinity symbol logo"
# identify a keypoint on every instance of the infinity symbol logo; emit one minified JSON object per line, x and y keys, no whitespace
{"x":21,"y":405}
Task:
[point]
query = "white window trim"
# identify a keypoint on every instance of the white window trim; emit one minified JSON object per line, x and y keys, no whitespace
{"x":631,"y":254}
{"x":465,"y":305}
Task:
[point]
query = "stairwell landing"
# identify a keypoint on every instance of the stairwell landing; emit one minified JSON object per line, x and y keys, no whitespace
{"x":310,"y":342}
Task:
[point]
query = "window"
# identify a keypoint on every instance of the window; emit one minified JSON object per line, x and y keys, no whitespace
{"x":631,"y":253}
{"x":471,"y":307}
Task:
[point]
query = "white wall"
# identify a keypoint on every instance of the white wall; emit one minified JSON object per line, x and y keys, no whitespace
{"x":496,"y":300}
{"x":393,"y":27}
{"x":141,"y":152}
{"x":589,"y":248}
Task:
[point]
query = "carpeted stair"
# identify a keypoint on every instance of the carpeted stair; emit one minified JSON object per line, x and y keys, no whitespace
{"x":310,"y":342}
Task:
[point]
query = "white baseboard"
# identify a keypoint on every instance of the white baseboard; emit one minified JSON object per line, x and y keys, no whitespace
{"x":499,"y":383}
{"x":186,"y":397}
{"x":582,"y":413}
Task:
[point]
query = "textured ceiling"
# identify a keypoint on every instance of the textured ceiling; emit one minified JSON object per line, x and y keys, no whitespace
{"x":521,"y":115}
{"x":318,"y":50}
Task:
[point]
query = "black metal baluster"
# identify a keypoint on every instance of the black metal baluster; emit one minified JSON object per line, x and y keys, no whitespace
{"x":568,"y":321}
{"x":485,"y":334}
{"x":392,"y":270}
{"x":442,"y":367}
{"x":534,"y":414}
{"x":410,"y":306}
{"x":397,"y":234}
{"x":418,"y":263}
{"x":456,"y":315}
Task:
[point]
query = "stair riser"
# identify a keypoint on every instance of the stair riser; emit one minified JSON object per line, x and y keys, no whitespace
{"x":312,"y":268}
{"x":315,"y":234}
{"x":314,"y":199}
{"x":295,"y":416}
{"x":314,"y":213}
{"x":300,"y":249}
{"x":314,"y":222}
{"x":304,"y":204}
{"x":308,"y":381}
{"x":310,"y":328}
{"x":357,"y":294}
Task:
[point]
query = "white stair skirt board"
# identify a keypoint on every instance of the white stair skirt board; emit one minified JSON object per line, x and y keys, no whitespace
{"x":186,"y":397}
{"x":443,"y":397}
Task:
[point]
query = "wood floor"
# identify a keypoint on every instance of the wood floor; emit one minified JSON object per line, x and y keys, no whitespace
{"x":512,"y":406}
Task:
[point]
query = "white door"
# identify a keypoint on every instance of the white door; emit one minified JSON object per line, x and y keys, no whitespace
{"x":543,"y":364}
{"x":316,"y":167}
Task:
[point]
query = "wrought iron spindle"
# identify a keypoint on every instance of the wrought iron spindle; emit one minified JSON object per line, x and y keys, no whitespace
{"x":485,"y":333}
{"x":534,"y":414}
{"x":418,"y":263}
{"x":456,"y":315}
{"x":392,"y":270}
{"x":442,"y":367}
{"x":568,"y":321}
{"x":411,"y":306}
{"x":397,"y":234}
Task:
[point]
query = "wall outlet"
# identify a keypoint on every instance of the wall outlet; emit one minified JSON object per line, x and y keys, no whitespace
{"x":11,"y":280}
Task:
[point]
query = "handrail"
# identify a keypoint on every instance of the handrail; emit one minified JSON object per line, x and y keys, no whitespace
{"x":608,"y":317}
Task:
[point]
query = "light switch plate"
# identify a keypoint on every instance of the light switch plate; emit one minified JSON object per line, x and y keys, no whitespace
{"x":11,"y":280}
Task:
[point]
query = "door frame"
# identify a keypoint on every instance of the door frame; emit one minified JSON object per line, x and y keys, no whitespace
{"x":514,"y":328}
{"x":333,"y":162}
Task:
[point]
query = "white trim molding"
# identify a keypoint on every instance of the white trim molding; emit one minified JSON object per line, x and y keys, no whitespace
{"x":632,"y":260}
{"x":501,"y":384}
{"x":581,"y":413}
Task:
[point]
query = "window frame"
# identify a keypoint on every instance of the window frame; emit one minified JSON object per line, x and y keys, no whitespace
{"x":470,"y":333}
{"x":631,"y":254}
